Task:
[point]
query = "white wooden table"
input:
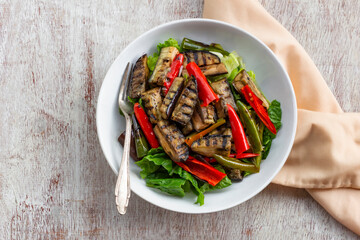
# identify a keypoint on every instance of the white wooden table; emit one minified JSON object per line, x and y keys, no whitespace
{"x":54,"y":180}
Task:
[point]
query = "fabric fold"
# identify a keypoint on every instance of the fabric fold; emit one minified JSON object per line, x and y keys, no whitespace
{"x":325,"y":158}
{"x":324,"y":149}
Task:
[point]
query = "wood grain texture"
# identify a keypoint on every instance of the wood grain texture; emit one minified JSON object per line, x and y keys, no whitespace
{"x":54,"y":180}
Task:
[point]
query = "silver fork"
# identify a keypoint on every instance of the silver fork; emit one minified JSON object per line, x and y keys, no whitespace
{"x":122,"y":189}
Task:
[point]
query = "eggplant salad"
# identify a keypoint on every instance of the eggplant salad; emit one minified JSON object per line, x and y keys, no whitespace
{"x":200,"y":120}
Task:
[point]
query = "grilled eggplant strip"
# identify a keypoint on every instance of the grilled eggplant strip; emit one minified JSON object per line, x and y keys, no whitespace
{"x":171,"y":98}
{"x":167,"y":55}
{"x":152,"y":101}
{"x":222,"y":88}
{"x":198,"y":122}
{"x":243,"y":79}
{"x":139,"y":78}
{"x":172,"y":140}
{"x":201,"y":58}
{"x":188,"y":128}
{"x":185,"y":105}
{"x":214,"y":69}
{"x":207,"y":113}
{"x":203,"y":117}
{"x":214,"y":144}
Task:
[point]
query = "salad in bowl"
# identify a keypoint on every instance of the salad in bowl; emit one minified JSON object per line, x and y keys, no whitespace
{"x":201,"y":122}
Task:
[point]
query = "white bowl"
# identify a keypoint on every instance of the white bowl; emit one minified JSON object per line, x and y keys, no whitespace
{"x":270,"y":75}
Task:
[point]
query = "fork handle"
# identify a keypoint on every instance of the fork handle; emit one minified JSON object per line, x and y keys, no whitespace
{"x":122,"y":189}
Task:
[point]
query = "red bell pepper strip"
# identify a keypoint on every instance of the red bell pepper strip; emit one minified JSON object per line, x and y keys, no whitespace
{"x":145,"y":125}
{"x":240,"y":140}
{"x":256,"y":104}
{"x":244,"y":155}
{"x":206,"y":93}
{"x":202,"y":170}
{"x":174,"y":71}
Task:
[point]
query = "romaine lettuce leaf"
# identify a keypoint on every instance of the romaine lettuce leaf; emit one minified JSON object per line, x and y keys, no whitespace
{"x":185,"y":175}
{"x":156,"y":150}
{"x":152,"y":162}
{"x":151,"y":61}
{"x":275,"y":113}
{"x":173,"y":186}
{"x":157,"y":161}
{"x":168,"y":43}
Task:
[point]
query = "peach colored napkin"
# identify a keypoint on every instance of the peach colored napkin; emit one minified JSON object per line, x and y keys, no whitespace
{"x":325,"y":158}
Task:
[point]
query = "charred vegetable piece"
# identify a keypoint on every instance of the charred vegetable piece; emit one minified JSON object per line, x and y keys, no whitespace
{"x":172,"y":140}
{"x":214,"y":69}
{"x":167,"y":54}
{"x":213,"y":144}
{"x":152,"y":101}
{"x":199,"y":135}
{"x":139,"y":78}
{"x":243,"y":79}
{"x":198,"y":122}
{"x":201,"y":58}
{"x":222,"y":88}
{"x":207,"y":113}
{"x":185,"y":105}
{"x":171,"y":98}
{"x":234,"y":174}
{"x":188,"y":128}
{"x":195,"y":45}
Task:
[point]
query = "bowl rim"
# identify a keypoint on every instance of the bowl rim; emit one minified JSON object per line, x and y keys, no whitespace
{"x":212,"y":21}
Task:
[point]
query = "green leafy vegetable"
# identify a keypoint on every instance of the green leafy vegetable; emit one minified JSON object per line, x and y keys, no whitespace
{"x":151,"y":62}
{"x":157,"y":161}
{"x":173,"y":186}
{"x":234,"y":73}
{"x":156,"y":150}
{"x":251,"y":75}
{"x":168,"y":43}
{"x":185,"y":175}
{"x":275,"y":113}
{"x":152,"y":162}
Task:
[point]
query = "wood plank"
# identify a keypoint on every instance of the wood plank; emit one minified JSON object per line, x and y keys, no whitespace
{"x":54,"y":180}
